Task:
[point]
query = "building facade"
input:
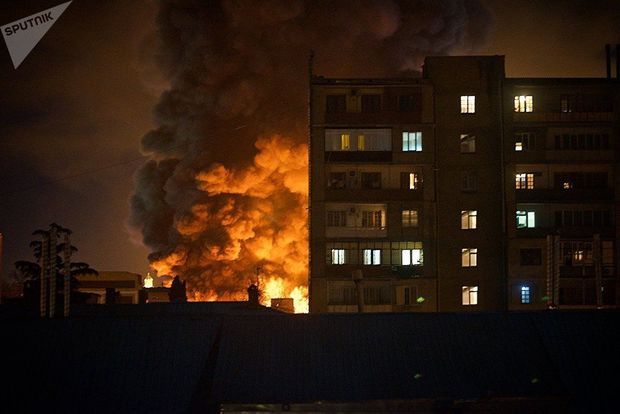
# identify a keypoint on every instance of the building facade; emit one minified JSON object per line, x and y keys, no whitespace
{"x":462,"y":190}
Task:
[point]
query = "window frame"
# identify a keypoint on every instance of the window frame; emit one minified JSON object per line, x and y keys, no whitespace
{"x":467,"y":218}
{"x":524,"y":103}
{"x":339,"y":255}
{"x":469,"y":295}
{"x":468,"y":146}
{"x":468,"y":104}
{"x":412,"y":141}
{"x":525,"y":295}
{"x":469,"y":253}
{"x":410,"y":218}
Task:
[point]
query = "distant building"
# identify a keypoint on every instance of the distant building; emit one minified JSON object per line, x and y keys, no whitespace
{"x":127,"y":285}
{"x":463,"y":190}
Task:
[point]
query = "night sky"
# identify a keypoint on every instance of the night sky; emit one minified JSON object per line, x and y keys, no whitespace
{"x":74,"y":113}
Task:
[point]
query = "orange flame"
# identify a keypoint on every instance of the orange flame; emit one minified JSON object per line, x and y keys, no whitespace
{"x":260,"y":220}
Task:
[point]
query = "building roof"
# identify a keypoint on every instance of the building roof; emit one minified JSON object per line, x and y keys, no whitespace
{"x":174,"y":362}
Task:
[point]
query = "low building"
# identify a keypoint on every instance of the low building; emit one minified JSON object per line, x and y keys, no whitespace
{"x":126,"y":284}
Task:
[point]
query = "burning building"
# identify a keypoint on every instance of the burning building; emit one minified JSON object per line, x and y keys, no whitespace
{"x":225,"y":190}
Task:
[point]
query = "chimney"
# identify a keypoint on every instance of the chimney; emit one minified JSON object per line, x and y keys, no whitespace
{"x":253,"y":295}
{"x":608,"y":57}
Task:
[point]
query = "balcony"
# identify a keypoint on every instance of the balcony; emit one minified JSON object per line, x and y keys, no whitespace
{"x":373,"y":118}
{"x":358,"y":156}
{"x":563,"y":116}
{"x":553,"y":195}
{"x":361,"y":232}
{"x":373,"y":195}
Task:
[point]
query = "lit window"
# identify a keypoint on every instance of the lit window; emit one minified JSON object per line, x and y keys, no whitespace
{"x":567,"y":185}
{"x":372,"y":219}
{"x":372,"y":256}
{"x":470,"y":295}
{"x":360,"y":143}
{"x":526,"y":219}
{"x":468,"y":144}
{"x":524,"y":141}
{"x":412,"y":141}
{"x":338,"y":256}
{"x":469,"y":257}
{"x":524,"y":181}
{"x":411,"y":257}
{"x":336,"y":218}
{"x":468,"y":104}
{"x":469,"y":219}
{"x":410,"y":181}
{"x":525,"y":294}
{"x":410,"y":218}
{"x":345,"y":142}
{"x":524,"y":103}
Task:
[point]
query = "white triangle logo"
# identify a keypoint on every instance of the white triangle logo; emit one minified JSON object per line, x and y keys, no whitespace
{"x":21,"y":36}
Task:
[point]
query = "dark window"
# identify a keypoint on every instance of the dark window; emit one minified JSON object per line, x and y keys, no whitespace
{"x":605,"y":141}
{"x":336,"y":104}
{"x":371,"y":103}
{"x":371,"y":180}
{"x":531,"y":257}
{"x":377,"y":295}
{"x":406,"y":103}
{"x":566,"y":104}
{"x":469,"y":181}
{"x":587,"y":218}
{"x":582,"y":141}
{"x":565,"y":141}
{"x":558,"y":142}
{"x":342,"y":296}
{"x":337,"y":180}
{"x":558,"y":219}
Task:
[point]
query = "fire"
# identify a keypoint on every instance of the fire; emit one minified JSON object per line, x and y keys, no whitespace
{"x":253,"y":218}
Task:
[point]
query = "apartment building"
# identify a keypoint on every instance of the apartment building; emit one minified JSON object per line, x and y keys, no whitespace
{"x":462,"y":190}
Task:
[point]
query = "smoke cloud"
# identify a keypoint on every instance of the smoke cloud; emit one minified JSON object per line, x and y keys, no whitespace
{"x":226,"y":189}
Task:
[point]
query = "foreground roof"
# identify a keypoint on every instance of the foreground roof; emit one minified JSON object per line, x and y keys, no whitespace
{"x":180,"y":362}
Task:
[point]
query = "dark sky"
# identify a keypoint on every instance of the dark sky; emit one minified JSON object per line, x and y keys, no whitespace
{"x":83,"y":98}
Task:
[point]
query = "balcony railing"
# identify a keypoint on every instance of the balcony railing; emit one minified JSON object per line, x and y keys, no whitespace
{"x":563,"y":116}
{"x":557,"y":195}
{"x":372,"y":195}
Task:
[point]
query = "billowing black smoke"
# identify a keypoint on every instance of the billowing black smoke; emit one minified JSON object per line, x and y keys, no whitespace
{"x":237,"y":73}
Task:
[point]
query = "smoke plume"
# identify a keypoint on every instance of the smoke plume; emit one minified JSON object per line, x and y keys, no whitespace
{"x":225,"y":191}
